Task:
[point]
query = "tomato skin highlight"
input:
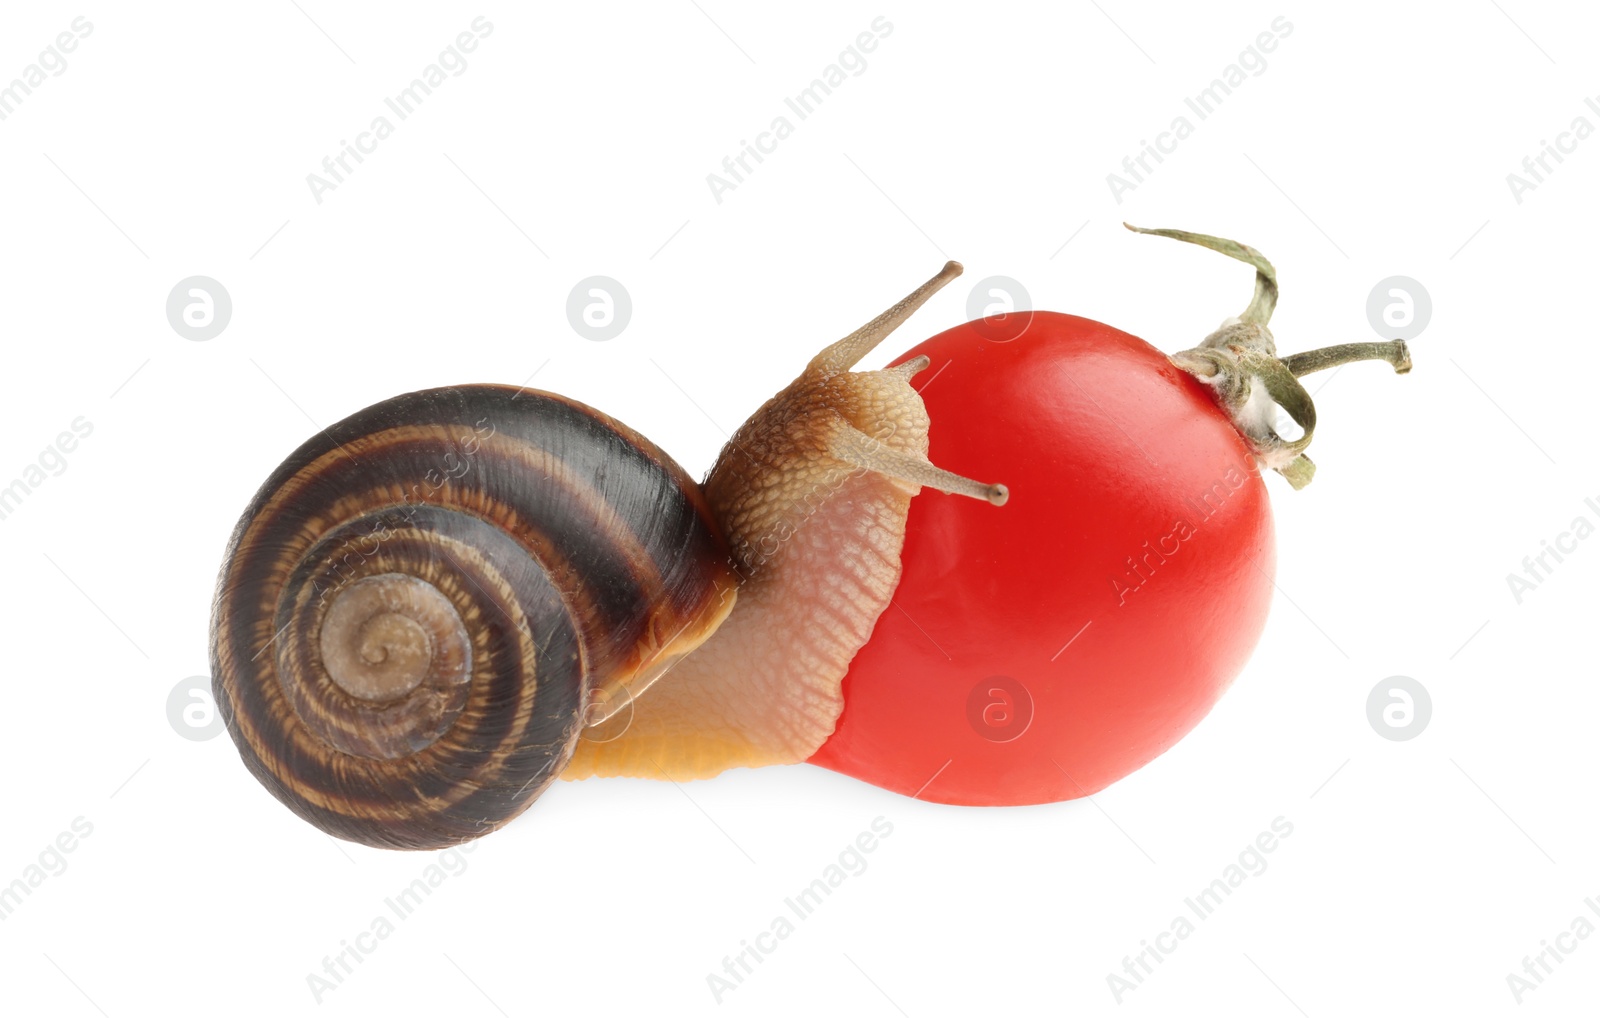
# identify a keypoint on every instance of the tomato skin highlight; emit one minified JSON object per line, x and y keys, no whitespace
{"x":1040,"y":650}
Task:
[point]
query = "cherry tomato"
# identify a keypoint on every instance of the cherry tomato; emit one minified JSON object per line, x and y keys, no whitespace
{"x":1040,"y":650}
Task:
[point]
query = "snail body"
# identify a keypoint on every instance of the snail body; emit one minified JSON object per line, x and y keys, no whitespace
{"x":443,"y":602}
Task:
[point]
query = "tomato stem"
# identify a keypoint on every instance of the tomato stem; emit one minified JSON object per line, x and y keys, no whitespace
{"x":1240,"y":362}
{"x":1395,"y":352}
{"x":1265,"y":299}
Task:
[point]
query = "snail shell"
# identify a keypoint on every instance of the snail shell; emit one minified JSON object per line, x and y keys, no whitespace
{"x":419,"y":607}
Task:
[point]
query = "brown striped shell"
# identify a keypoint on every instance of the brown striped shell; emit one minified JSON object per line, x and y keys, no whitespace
{"x":420,"y":605}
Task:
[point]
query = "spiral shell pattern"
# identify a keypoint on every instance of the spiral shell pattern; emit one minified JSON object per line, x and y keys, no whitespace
{"x":420,"y":604}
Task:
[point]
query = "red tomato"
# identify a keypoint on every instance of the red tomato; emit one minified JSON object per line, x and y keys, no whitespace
{"x":1041,"y":650}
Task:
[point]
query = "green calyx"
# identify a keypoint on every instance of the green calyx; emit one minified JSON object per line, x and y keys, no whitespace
{"x":1240,"y":363}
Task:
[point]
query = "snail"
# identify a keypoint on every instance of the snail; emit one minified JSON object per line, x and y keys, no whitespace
{"x":440,"y":604}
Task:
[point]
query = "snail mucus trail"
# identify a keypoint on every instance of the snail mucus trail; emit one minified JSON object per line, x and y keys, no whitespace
{"x":426,"y":605}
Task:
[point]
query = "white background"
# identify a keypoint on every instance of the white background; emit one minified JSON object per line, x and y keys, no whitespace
{"x":1376,"y":142}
